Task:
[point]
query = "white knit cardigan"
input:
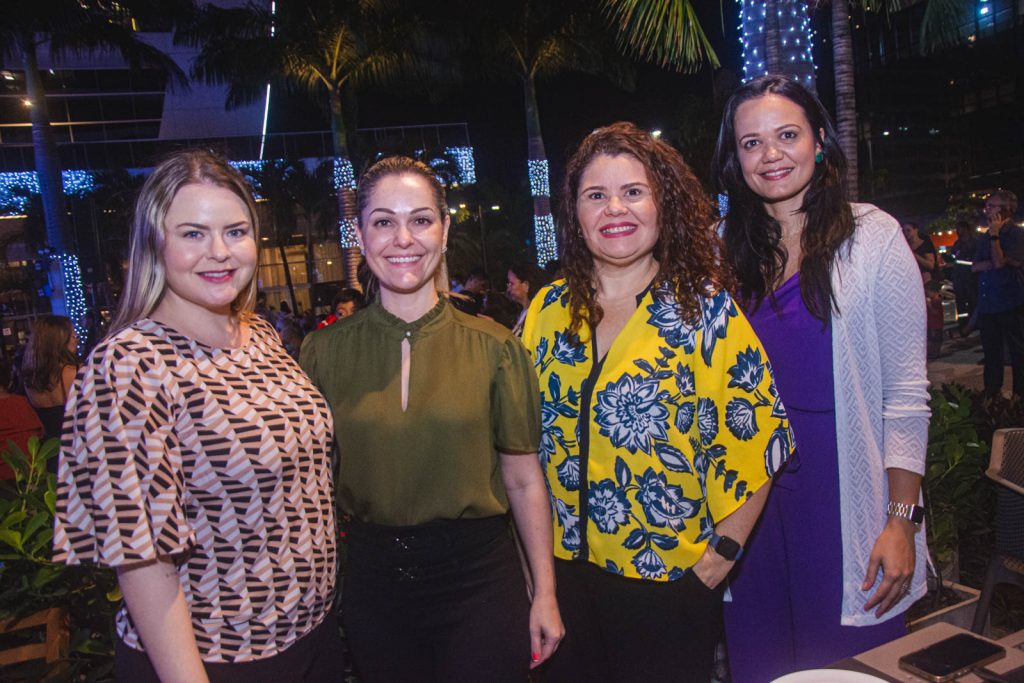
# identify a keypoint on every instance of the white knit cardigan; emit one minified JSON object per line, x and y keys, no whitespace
{"x":881,"y":393}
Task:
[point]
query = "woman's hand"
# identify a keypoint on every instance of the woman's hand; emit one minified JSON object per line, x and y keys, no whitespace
{"x":712,"y":568}
{"x":893,"y":553}
{"x":546,"y":629}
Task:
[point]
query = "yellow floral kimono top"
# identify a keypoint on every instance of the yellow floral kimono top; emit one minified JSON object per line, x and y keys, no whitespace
{"x":645,"y":450}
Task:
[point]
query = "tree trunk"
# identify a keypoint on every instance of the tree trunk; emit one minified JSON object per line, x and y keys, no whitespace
{"x":543,"y":222}
{"x":288,"y":276}
{"x":346,"y":193}
{"x":846,"y":98}
{"x":45,"y":148}
{"x":772,"y":39}
{"x":51,"y":189}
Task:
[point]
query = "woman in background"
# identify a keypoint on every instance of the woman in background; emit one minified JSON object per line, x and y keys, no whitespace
{"x":197,"y":455}
{"x":835,"y":295}
{"x":523,"y":282}
{"x":48,"y":370}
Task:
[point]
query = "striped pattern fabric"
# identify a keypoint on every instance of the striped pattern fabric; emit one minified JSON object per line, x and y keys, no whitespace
{"x":218,"y":459}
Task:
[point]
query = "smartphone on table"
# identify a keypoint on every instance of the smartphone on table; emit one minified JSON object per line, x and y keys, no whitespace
{"x":951,"y":657}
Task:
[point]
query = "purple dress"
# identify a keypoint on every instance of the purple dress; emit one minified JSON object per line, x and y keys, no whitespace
{"x":787,"y":589}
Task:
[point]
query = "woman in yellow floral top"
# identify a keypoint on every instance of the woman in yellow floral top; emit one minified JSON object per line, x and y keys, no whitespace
{"x":661,"y":423}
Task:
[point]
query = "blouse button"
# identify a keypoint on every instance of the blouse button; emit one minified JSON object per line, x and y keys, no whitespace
{"x":408,"y":333}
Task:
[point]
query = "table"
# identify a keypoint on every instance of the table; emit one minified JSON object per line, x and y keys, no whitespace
{"x":883,"y":660}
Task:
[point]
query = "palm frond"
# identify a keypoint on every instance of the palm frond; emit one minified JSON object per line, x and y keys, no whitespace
{"x":664,"y":32}
{"x":940,"y":25}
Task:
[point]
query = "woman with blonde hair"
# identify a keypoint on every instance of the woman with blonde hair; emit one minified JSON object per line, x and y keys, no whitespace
{"x":48,"y":369}
{"x":197,"y":455}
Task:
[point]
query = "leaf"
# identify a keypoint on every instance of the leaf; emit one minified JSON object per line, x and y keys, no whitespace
{"x":554,"y":387}
{"x":51,"y":501}
{"x":664,"y":542}
{"x":46,"y":574}
{"x":11,"y":538}
{"x":622,"y":472}
{"x":662,"y":374}
{"x":636,"y":539}
{"x":730,"y":479}
{"x":662,"y":362}
{"x":719,"y":469}
{"x":667,"y":352}
{"x":114,"y":594}
{"x":39,"y":520}
{"x":672,"y":458}
{"x":13,"y":519}
{"x":643,"y":365}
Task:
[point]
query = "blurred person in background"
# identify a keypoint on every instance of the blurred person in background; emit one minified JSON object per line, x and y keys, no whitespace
{"x":48,"y":370}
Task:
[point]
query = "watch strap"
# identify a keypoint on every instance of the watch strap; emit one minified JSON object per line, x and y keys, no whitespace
{"x":915,"y":513}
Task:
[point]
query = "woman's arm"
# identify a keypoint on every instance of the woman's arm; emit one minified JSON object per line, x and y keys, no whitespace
{"x":528,"y":498}
{"x":67,"y":378}
{"x":152,"y":591}
{"x":712,"y":568}
{"x":899,"y":310}
{"x":893,"y":551}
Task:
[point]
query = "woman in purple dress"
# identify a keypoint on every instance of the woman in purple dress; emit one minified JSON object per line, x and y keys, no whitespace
{"x":834,"y":294}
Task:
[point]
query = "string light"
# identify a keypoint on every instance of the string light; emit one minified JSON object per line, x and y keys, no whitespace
{"x":345,"y":179}
{"x":16,"y":187}
{"x":795,"y":35}
{"x":347,"y":233}
{"x":465,"y":162}
{"x":539,"y":184}
{"x":723,"y":205}
{"x":344,"y":174}
{"x":544,"y":235}
{"x":74,"y":295}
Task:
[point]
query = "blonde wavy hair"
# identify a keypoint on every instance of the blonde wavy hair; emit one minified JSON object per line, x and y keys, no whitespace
{"x":146,"y":281}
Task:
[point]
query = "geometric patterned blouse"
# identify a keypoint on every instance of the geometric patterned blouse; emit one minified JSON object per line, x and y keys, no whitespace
{"x":647,"y":449}
{"x":217,"y":459}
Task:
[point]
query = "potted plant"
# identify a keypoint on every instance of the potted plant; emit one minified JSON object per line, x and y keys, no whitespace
{"x":958,"y":503}
{"x":31,"y":584}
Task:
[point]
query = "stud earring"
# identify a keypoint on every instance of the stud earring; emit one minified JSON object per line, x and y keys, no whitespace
{"x":819,"y":157}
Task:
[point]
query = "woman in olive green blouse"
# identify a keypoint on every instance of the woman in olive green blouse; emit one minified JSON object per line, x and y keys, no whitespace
{"x":438,"y":425}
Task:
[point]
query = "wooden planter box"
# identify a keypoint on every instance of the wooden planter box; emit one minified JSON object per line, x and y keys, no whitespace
{"x":960,"y":614}
{"x":52,"y":624}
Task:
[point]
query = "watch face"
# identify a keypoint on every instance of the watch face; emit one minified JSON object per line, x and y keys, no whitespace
{"x":727,"y":548}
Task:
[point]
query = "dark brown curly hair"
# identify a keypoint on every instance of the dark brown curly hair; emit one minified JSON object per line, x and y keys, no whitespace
{"x":687,"y":248}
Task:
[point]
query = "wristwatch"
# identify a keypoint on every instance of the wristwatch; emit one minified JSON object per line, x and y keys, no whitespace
{"x":994,"y":238}
{"x":915,"y":513}
{"x":726,"y":547}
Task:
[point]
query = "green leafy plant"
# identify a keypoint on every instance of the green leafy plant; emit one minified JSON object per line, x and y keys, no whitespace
{"x":29,"y":579}
{"x":957,"y":494}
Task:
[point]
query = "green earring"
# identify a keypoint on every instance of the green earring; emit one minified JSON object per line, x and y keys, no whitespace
{"x":819,"y":157}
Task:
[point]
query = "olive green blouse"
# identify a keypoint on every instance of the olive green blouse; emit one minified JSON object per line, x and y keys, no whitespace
{"x":472,"y":393}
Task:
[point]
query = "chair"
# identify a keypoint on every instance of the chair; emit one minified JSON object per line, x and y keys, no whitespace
{"x":1006,"y":467}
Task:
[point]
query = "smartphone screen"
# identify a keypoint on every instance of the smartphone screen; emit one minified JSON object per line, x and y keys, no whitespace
{"x":952,"y":656}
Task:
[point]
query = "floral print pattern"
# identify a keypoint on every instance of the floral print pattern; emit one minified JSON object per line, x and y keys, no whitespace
{"x":684,"y":423}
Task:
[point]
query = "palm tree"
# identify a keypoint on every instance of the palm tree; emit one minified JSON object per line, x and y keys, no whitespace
{"x":328,"y":48}
{"x":666,"y":33}
{"x":316,"y":211}
{"x":67,"y":27}
{"x":271,"y":183}
{"x":531,"y":40}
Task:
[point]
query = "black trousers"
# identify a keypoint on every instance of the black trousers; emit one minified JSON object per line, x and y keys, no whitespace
{"x":619,"y":629}
{"x":314,"y":658}
{"x":444,"y":601}
{"x":997,"y":329}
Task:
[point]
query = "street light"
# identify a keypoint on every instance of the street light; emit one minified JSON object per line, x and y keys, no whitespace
{"x":656,"y":133}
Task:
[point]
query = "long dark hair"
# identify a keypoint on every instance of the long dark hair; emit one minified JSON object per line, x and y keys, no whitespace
{"x":47,"y":352}
{"x":687,"y":247}
{"x":753,"y":238}
{"x":532,"y":275}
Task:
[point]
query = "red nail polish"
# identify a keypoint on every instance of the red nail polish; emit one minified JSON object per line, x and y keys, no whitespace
{"x":535,"y":656}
